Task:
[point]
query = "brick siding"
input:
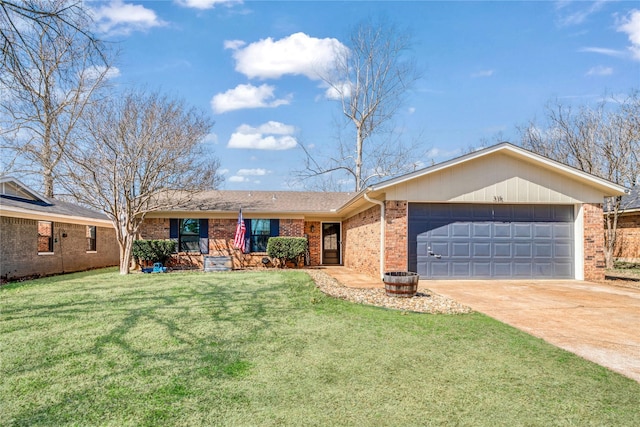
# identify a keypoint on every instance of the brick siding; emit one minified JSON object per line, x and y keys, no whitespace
{"x":20,"y":257}
{"x":628,"y":237}
{"x":361,"y":242}
{"x":221,"y":237}
{"x":396,"y":245}
{"x":594,"y":263}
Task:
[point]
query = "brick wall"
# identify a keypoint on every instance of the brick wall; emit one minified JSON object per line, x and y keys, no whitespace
{"x":19,"y":249}
{"x":628,"y":238}
{"x":594,"y":264}
{"x":361,"y":242}
{"x":221,"y":236}
{"x":396,"y":245}
{"x":315,"y":241}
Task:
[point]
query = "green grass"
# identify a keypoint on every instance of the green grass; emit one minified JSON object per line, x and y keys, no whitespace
{"x":267,"y":349}
{"x":625,"y":269}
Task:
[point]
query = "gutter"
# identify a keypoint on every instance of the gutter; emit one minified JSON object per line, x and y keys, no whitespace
{"x":382,"y":227}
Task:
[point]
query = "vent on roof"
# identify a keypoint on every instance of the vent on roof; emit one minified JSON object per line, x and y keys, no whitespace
{"x":273,"y":197}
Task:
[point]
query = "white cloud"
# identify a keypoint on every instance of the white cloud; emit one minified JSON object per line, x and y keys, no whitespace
{"x":237,"y":178}
{"x":252,"y":172}
{"x":120,"y":18}
{"x":604,"y":51}
{"x":246,"y":96}
{"x":97,"y":70}
{"x":483,"y":73}
{"x":411,"y":110}
{"x":600,"y":71}
{"x":577,"y":17}
{"x":223,"y":171}
{"x":271,"y":127}
{"x":269,"y":136}
{"x":337,"y":93}
{"x":205,"y":4}
{"x":630,"y":25}
{"x":211,"y":138}
{"x":298,"y":54}
{"x":233,"y":44}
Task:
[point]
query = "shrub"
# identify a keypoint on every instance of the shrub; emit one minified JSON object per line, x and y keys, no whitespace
{"x":286,"y":249}
{"x":153,"y":250}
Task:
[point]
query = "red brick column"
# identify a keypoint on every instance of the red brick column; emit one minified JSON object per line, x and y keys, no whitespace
{"x":315,"y":241}
{"x":594,"y":264}
{"x":396,"y":257}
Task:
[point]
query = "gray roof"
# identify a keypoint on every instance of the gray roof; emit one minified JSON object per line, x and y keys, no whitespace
{"x":632,"y":200}
{"x":267,"y":201}
{"x":55,"y":207}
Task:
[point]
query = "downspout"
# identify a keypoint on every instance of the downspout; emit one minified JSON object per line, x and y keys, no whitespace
{"x":382,"y":228}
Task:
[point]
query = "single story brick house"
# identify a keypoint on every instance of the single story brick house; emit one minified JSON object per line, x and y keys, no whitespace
{"x":628,"y":232}
{"x":500,"y":212}
{"x":42,"y":236}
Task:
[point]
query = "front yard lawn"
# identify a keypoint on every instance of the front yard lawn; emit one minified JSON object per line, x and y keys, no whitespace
{"x":267,"y":349}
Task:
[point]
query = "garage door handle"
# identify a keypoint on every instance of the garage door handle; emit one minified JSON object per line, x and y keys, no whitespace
{"x":436,"y":256}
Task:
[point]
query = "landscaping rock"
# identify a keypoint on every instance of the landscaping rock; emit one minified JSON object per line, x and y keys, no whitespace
{"x":424,"y":301}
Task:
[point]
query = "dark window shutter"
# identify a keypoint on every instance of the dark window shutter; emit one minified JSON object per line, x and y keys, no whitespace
{"x":247,"y":236}
{"x":204,"y":236}
{"x":174,"y":225}
{"x":274,"y":228}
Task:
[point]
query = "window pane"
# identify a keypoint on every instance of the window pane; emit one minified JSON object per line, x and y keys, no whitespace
{"x":189,"y":240}
{"x":190,"y":227}
{"x":91,"y":238}
{"x":189,"y":244}
{"x":260,"y":232}
{"x":45,"y":236}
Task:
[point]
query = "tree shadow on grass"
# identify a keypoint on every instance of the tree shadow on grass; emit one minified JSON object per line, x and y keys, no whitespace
{"x":150,"y":349}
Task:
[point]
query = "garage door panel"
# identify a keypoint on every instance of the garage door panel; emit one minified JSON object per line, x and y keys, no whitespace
{"x":522,"y":269}
{"x":461,"y":249}
{"x":523,"y":250}
{"x":502,"y":250}
{"x":502,"y":269}
{"x":562,"y":250}
{"x":502,"y":230}
{"x":483,"y":241}
{"x":440,"y":270}
{"x":481,"y":269}
{"x":542,"y":231}
{"x":543,"y":250}
{"x":481,"y":230}
{"x":481,"y":250}
{"x":461,"y":269}
{"x":522,"y":231}
{"x":562,"y":231}
{"x":461,"y":230}
{"x":440,"y":230}
{"x":563,"y":269}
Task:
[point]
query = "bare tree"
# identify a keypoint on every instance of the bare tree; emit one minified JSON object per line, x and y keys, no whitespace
{"x":603,"y":140}
{"x":52,"y":68}
{"x":140,"y":153}
{"x":370,"y":79}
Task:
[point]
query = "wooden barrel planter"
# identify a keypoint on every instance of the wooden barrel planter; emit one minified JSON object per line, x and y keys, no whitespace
{"x":403,"y":284}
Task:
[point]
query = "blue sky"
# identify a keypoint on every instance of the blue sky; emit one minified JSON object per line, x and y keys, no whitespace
{"x":488,"y":66}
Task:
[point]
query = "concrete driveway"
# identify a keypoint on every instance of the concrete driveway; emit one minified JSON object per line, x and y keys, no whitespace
{"x":596,"y":321}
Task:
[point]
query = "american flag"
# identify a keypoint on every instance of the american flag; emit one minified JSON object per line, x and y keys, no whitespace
{"x":239,"y":242}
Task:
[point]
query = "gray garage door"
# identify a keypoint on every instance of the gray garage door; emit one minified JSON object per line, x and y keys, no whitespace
{"x":449,"y":241}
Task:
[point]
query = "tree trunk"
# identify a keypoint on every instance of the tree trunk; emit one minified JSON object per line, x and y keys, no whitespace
{"x":358,"y":165}
{"x":126,"y":246}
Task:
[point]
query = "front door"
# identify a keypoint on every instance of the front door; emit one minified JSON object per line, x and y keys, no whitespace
{"x":331,"y":243}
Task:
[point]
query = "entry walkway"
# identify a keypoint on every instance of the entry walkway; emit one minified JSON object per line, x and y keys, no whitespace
{"x":598,"y":322}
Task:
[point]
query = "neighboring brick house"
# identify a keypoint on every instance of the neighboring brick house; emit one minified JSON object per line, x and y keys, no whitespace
{"x":628,"y":231}
{"x":500,"y":212}
{"x":43,"y":236}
